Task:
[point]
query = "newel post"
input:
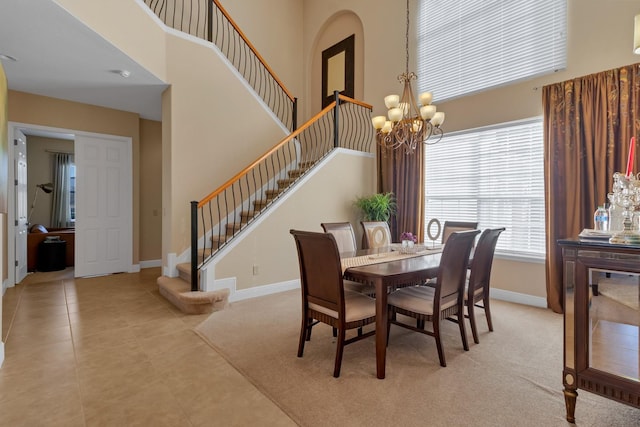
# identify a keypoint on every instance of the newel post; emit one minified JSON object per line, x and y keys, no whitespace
{"x":336,"y":121}
{"x":194,"y":246}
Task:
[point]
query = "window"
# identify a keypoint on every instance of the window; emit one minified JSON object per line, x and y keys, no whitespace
{"x":493,"y":175}
{"x":466,"y":46}
{"x":72,"y":193}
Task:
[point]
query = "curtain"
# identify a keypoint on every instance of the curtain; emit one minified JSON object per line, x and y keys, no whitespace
{"x":403,"y":175}
{"x":588,"y":123}
{"x":61,"y":204}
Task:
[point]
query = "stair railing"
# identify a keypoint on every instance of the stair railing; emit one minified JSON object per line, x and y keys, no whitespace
{"x":227,"y":211}
{"x":208,"y":20}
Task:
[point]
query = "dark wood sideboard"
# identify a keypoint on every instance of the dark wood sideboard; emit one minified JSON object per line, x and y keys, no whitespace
{"x":594,"y":359}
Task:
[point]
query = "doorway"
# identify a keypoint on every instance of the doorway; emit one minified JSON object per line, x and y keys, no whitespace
{"x":102,"y":213}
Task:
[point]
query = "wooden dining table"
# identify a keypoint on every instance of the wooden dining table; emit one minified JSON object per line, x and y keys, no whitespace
{"x":386,"y":275}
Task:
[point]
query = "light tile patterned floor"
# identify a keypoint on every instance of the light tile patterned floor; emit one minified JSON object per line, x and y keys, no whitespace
{"x":111,"y":351}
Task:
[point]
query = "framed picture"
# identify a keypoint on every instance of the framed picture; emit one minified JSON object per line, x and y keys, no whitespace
{"x":337,"y":70}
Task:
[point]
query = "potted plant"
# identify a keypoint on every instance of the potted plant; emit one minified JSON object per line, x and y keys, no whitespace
{"x":377,"y":207}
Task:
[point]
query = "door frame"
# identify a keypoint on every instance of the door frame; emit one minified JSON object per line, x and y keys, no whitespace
{"x":11,"y":235}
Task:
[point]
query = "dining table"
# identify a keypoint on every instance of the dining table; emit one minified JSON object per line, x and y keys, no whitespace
{"x":386,"y":269}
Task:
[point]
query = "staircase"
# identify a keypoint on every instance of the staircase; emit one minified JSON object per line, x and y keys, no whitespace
{"x":178,"y":289}
{"x":227,"y":211}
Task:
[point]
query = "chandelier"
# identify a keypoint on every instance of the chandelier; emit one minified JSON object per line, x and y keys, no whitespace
{"x":407,"y":125}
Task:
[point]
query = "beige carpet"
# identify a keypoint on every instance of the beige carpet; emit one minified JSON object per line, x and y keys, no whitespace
{"x":512,"y":378}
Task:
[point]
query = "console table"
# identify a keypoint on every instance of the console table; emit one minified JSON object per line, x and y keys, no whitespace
{"x":595,"y":359}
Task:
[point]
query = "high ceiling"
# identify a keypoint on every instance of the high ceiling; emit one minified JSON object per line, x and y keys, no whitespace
{"x":58,"y":56}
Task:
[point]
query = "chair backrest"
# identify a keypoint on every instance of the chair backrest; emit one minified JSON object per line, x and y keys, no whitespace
{"x":376,"y":234}
{"x":320,"y":270}
{"x":453,"y":226}
{"x":482,"y":261}
{"x":344,"y":235}
{"x":452,"y":273}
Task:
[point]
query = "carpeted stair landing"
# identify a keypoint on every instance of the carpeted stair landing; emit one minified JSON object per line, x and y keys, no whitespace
{"x":179,"y":293}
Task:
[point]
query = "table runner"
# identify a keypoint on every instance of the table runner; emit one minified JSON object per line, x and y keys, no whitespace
{"x":385,"y":257}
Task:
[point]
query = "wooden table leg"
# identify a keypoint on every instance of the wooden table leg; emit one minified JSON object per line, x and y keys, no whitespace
{"x":381,"y":329}
{"x":570,"y":397}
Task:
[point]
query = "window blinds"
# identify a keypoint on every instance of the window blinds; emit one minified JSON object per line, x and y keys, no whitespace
{"x":495,"y":176}
{"x":465,"y":46}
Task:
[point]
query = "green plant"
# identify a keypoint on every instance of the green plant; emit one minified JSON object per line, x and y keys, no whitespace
{"x":377,"y":207}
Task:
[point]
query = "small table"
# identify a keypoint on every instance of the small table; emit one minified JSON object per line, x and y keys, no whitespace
{"x":385,"y":275}
{"x":586,"y":365}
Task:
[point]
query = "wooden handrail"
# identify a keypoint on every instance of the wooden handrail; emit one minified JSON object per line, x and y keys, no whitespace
{"x":253,"y":49}
{"x":354,"y":101}
{"x":265,"y":155}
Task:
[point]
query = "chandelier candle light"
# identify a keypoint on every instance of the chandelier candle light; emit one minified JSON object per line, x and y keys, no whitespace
{"x":407,"y":125}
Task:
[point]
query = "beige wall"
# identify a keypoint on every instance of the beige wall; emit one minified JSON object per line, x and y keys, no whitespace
{"x":150,"y":190}
{"x":217,"y":129}
{"x":327,"y":196}
{"x":39,"y":171}
{"x":43,"y":111}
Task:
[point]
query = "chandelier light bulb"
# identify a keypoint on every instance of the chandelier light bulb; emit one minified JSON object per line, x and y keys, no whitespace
{"x":438,"y":118}
{"x":425,"y":98}
{"x":427,"y":112}
{"x":378,"y":122}
{"x":395,"y":114}
{"x":387,"y":127}
{"x":391,"y":101}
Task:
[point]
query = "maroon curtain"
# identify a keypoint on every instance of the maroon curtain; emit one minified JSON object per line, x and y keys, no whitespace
{"x":403,"y":175}
{"x":588,"y":123}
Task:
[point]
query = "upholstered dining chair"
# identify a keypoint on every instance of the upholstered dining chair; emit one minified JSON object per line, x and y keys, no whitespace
{"x":344,"y":235}
{"x":477,"y":288}
{"x":453,"y":226}
{"x":444,"y":300}
{"x":376,"y":234}
{"x":323,"y":295}
{"x":346,"y":241}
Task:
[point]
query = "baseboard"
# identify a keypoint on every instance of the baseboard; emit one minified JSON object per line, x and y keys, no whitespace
{"x":260,"y":291}
{"x":151,"y":263}
{"x":518,"y":298}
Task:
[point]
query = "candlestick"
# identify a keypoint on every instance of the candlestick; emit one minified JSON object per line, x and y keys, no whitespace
{"x":632,"y":150}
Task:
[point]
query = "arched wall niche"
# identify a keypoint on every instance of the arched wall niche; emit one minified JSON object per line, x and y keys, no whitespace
{"x":337,"y":28}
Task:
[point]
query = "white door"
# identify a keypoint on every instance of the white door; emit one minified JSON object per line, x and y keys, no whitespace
{"x":21,"y":204}
{"x":103,"y":205}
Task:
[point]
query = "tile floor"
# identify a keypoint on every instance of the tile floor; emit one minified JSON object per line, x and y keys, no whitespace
{"x":111,"y":351}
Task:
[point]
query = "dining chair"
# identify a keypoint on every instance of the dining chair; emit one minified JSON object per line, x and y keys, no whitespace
{"x":323,"y":295}
{"x":376,"y":234}
{"x":453,"y":226}
{"x":344,"y":234}
{"x":477,"y":287}
{"x":346,"y":241}
{"x":444,"y":300}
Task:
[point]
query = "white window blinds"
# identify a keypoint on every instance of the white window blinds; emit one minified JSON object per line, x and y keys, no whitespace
{"x":465,"y":46}
{"x":495,"y":176}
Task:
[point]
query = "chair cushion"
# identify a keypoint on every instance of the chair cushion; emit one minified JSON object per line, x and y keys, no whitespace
{"x":357,"y":307}
{"x":418,"y":299}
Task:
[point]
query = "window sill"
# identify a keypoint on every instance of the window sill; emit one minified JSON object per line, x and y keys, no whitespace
{"x":540,"y":259}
